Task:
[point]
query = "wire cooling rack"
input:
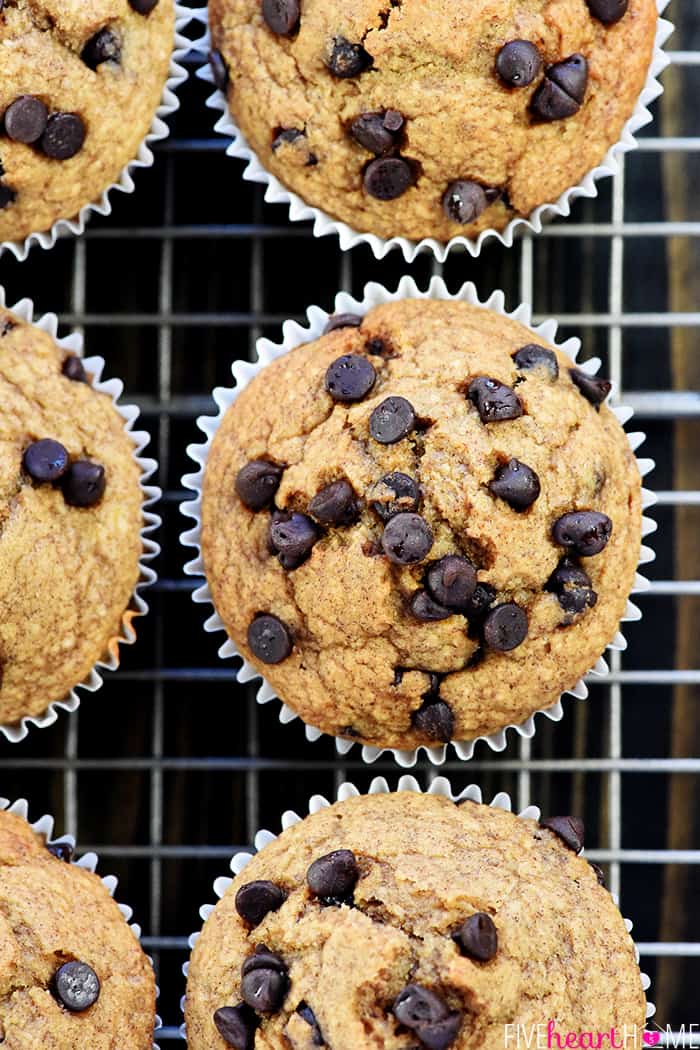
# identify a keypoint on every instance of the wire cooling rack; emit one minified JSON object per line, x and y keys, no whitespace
{"x":172,"y":766}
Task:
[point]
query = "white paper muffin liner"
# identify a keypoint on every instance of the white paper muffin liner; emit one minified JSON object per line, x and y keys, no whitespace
{"x":295,"y":334}
{"x":94,"y":366}
{"x":277,"y":193}
{"x":159,"y":130}
{"x":379,"y":786}
{"x":89,"y":861}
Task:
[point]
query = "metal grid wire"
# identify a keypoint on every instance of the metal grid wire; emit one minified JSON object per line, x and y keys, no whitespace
{"x":172,"y":766}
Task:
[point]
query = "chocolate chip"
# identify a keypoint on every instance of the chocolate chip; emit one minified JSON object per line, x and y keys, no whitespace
{"x":83,"y":484}
{"x":263,"y":959}
{"x":370,"y":132}
{"x":425,"y":1013}
{"x":104,"y":46}
{"x":257,"y":899}
{"x":264,"y":990}
{"x":518,"y":63}
{"x":608,"y":11}
{"x":348,"y":60}
{"x":73,"y":369}
{"x":219,"y":70}
{"x":477,"y":937}
{"x":388,"y":178}
{"x":269,"y":639}
{"x":25,"y":119}
{"x":516,"y":483}
{"x":61,"y":851}
{"x":64,"y":136}
{"x":441,"y":1034}
{"x":281,"y":16}
{"x":392,"y":420}
{"x":451,"y":581}
{"x":305,"y":1011}
{"x":464,"y":201}
{"x":342,"y":321}
{"x":599,"y":873}
{"x":76,"y":986}
{"x":426,"y":609}
{"x":406,"y":492}
{"x":7,"y":196}
{"x":334,"y":876}
{"x":495,"y":401}
{"x":143,"y":7}
{"x":572,"y":587}
{"x":585,"y":532}
{"x":480,"y":602}
{"x":407,"y":539}
{"x":292,"y":537}
{"x":336,"y":504}
{"x":350,"y":378}
{"x":236,"y":1025}
{"x":505,"y":627}
{"x":594,"y":388}
{"x":535,"y":356}
{"x":435,"y":720}
{"x":569,"y":829}
{"x":563,"y":89}
{"x":257,"y":482}
{"x":45,"y":460}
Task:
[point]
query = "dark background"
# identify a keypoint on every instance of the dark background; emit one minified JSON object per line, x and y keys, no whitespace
{"x":172,"y":766}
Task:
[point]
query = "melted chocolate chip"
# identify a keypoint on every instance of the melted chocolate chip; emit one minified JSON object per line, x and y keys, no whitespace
{"x":236,"y":1025}
{"x":257,"y":482}
{"x":594,"y":388}
{"x":269,"y":639}
{"x":464,"y":201}
{"x":104,"y":46}
{"x":424,"y":608}
{"x":64,"y":136}
{"x":608,"y":11}
{"x":392,"y":420}
{"x":26,"y":119}
{"x":436,"y":720}
{"x":477,"y":937}
{"x":350,"y":378}
{"x":7,"y":196}
{"x":76,"y":986}
{"x":334,"y":876}
{"x":563,"y":89}
{"x":516,"y":483}
{"x":407,"y":539}
{"x":572,"y":587}
{"x":370,"y":132}
{"x":451,"y":581}
{"x":586,"y":532}
{"x":45,"y":460}
{"x":305,"y":1011}
{"x":387,"y":178}
{"x":143,"y":7}
{"x":61,"y":851}
{"x":494,"y":401}
{"x":569,"y":829}
{"x":336,"y":504}
{"x":425,"y":1013}
{"x":505,"y":627}
{"x":292,"y":537}
{"x":406,"y":496}
{"x":73,"y":369}
{"x":219,"y":70}
{"x":83,"y":484}
{"x":480,"y":602}
{"x":257,"y":899}
{"x":264,"y":990}
{"x":263,"y":959}
{"x":281,"y":16}
{"x":347,"y":59}
{"x":535,"y":356}
{"x":518,"y":63}
{"x":342,"y":321}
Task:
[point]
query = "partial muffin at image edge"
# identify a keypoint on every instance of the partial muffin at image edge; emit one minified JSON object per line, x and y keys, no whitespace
{"x":73,"y":973}
{"x":79,"y":87}
{"x":423,"y":526}
{"x":431,"y":120}
{"x":405,"y":920}
{"x":71,"y":515}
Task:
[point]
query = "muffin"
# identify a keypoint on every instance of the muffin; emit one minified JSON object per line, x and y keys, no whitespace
{"x":70,"y":521}
{"x":72,"y":973}
{"x":456,"y":921}
{"x":431,"y":118}
{"x":423,"y":526}
{"x":79,"y":87}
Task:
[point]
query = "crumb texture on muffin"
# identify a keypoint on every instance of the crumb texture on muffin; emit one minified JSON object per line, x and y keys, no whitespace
{"x":491,"y":917}
{"x":441,"y":553}
{"x":431,"y":118}
{"x":70,"y":521}
{"x":54,"y":914}
{"x":79,"y":86}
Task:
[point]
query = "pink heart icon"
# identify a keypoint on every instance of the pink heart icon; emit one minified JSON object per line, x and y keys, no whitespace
{"x":651,"y":1038}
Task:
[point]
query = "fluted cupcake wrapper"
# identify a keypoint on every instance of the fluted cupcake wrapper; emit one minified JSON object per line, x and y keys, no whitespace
{"x":159,"y":130}
{"x":295,"y":334}
{"x":89,"y":861}
{"x":323,"y":224}
{"x":379,"y":786}
{"x":113,"y":388}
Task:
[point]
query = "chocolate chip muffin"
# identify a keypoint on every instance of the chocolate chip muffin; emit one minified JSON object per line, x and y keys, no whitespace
{"x":406,"y":921}
{"x":72,"y":973}
{"x":422,"y":526}
{"x":79,"y":87}
{"x":70,"y":521}
{"x":431,"y":118}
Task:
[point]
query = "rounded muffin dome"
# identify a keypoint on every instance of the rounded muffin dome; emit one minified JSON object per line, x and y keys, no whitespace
{"x":431,"y":118}
{"x":79,"y":86}
{"x":422,"y":526}
{"x":70,"y":521}
{"x":406,"y":921}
